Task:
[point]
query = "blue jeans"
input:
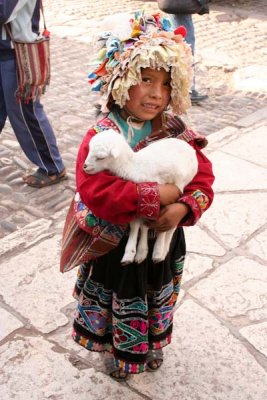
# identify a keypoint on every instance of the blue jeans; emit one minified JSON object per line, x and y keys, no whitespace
{"x":29,"y":122}
{"x":187,"y":21}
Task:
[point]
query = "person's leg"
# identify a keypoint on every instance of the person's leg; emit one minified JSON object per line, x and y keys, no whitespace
{"x":187,"y":21}
{"x":3,"y":113}
{"x":31,"y":126}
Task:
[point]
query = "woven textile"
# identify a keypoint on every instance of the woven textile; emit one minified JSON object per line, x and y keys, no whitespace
{"x":128,"y":310}
{"x":80,"y":246}
{"x":33,"y":65}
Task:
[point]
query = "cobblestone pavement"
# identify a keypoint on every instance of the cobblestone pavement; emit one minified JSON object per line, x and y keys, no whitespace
{"x":229,"y":40}
{"x":218,"y":349}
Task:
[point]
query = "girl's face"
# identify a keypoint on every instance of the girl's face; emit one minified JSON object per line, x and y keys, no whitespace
{"x":151,"y":96}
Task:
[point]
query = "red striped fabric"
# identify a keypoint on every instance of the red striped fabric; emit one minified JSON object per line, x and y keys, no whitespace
{"x":33,"y":65}
{"x":78,"y":246}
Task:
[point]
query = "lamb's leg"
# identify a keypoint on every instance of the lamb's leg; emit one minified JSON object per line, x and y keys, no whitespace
{"x":159,"y":247}
{"x":142,"y":248}
{"x":130,"y":248}
{"x":162,"y":245}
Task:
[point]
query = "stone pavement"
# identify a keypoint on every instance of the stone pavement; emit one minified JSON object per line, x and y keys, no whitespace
{"x":219,"y":348}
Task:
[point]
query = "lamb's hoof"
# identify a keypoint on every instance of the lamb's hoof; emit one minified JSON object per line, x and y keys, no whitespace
{"x":139,"y":258}
{"x":157,"y":260}
{"x":141,"y":253}
{"x":127,"y":259}
{"x":124,"y":263}
{"x":158,"y":257}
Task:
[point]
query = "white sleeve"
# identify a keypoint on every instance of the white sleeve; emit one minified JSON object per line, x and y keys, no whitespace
{"x":21,"y":21}
{"x":18,"y":7}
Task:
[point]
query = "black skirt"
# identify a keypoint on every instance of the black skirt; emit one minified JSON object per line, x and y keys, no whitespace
{"x":128,"y":309}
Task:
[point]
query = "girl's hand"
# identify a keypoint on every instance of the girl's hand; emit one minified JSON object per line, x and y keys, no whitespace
{"x":170,"y":217}
{"x":168,"y":194}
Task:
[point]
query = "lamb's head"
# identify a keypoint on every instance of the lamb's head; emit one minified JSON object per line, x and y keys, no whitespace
{"x":104,"y":148}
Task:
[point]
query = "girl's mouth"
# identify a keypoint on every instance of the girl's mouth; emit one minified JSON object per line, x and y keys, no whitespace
{"x":149,"y":106}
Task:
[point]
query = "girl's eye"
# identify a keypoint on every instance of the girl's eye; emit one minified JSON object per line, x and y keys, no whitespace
{"x":100,"y":158}
{"x":168,"y":84}
{"x":145,"y":79}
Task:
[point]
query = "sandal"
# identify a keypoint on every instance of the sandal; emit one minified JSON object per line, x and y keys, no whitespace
{"x":115,"y":373}
{"x":154,"y":360}
{"x":39,"y":179}
{"x":119,"y":375}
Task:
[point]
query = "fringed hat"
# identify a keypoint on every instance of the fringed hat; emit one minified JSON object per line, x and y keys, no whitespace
{"x":141,"y":42}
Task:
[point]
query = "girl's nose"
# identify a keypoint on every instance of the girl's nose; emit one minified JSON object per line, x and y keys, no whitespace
{"x":156,"y":92}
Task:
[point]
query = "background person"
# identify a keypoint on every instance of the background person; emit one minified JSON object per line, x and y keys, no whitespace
{"x":29,"y":121}
{"x":187,"y":21}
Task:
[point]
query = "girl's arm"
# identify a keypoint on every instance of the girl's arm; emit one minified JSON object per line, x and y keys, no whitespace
{"x":195,"y":200}
{"x":198,"y":194}
{"x":112,"y":198}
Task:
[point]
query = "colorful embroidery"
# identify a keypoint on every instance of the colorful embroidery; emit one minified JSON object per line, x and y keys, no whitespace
{"x":197,"y":201}
{"x":201,"y":198}
{"x":130,"y":367}
{"x":95,"y":290}
{"x":130,"y":325}
{"x":85,"y":218}
{"x":82,"y":275}
{"x":96,"y":318}
{"x":90,"y":344}
{"x":92,"y":313}
{"x":104,"y":124}
{"x":162,"y":343}
{"x":177,"y":277}
{"x":126,"y":325}
{"x":161,"y":312}
{"x":149,"y":202}
{"x":130,"y":335}
{"x":113,"y":320}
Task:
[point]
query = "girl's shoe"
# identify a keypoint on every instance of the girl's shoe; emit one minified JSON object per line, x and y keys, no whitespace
{"x":119,"y":375}
{"x":115,"y":373}
{"x":154,"y":360}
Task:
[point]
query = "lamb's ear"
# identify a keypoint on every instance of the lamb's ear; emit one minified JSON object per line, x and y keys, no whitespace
{"x":115,"y":152}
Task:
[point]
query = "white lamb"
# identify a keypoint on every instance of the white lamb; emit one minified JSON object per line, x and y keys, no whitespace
{"x":167,"y":160}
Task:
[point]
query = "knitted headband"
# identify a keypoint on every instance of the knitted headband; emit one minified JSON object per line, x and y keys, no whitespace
{"x":147,"y":42}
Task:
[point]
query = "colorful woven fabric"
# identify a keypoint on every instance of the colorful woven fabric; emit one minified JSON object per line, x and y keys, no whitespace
{"x":140,"y":41}
{"x":79,"y":246}
{"x":128,"y":310}
{"x":33,"y":65}
{"x":86,"y":219}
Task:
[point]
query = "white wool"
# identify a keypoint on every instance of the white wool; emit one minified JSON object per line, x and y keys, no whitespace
{"x":118,"y":24}
{"x":167,"y":160}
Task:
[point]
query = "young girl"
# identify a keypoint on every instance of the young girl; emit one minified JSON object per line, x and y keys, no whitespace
{"x":127,"y":311}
